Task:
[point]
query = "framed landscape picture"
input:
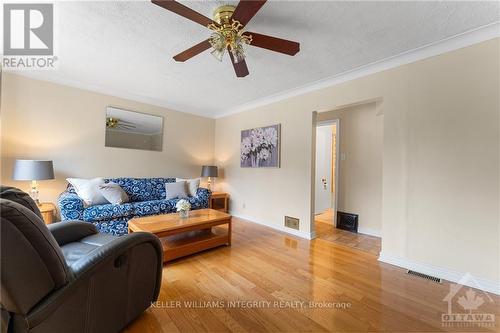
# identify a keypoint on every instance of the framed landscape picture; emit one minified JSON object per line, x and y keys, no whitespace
{"x":260,"y":147}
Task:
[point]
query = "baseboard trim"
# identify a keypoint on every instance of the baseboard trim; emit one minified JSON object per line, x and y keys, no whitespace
{"x":370,"y":232}
{"x":465,"y":279}
{"x":298,"y":233}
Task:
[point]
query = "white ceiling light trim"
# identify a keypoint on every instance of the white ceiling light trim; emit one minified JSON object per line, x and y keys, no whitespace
{"x":456,"y":42}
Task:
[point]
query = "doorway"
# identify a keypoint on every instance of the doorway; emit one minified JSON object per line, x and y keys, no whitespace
{"x":348,"y":146}
{"x":327,"y":147}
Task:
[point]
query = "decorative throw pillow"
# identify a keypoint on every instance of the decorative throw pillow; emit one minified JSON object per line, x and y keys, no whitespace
{"x":176,"y":190}
{"x":192,"y":185}
{"x":113,"y":193}
{"x":88,"y":190}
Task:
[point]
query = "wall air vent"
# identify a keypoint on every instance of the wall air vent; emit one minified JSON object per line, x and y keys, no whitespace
{"x":347,"y":221}
{"x":424,"y":276}
{"x":292,"y":222}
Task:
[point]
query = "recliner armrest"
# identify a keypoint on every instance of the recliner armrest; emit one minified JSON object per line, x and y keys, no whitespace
{"x":71,"y":231}
{"x":115,"y":248}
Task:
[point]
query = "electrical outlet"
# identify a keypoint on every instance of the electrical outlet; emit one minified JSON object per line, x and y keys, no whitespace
{"x":244,"y":205}
{"x":292,"y":222}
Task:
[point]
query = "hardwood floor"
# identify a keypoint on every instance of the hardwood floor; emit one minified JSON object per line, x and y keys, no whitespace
{"x":326,"y":216}
{"x":200,"y":293}
{"x":325,"y":230}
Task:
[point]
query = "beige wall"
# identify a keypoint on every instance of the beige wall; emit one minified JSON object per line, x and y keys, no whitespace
{"x":440,"y":158}
{"x":360,"y":163}
{"x":41,"y":120}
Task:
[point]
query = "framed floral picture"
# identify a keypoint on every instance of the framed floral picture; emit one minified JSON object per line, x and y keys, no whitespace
{"x":260,"y":147}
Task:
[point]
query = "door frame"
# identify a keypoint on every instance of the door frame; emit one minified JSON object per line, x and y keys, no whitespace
{"x":335,"y":122}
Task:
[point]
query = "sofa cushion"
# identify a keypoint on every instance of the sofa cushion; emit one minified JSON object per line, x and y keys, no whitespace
{"x":192,"y":185}
{"x":88,"y":190}
{"x":107,"y":212}
{"x":177,"y":190}
{"x":143,"y":189}
{"x":113,"y":193}
{"x":75,"y":250}
{"x":153,"y":207}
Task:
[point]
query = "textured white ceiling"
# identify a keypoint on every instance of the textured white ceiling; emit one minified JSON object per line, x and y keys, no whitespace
{"x":127,"y":47}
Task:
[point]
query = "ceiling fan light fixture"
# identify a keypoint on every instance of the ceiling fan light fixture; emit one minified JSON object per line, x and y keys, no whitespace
{"x":218,"y":54}
{"x":228,"y":33}
{"x":238,"y":53}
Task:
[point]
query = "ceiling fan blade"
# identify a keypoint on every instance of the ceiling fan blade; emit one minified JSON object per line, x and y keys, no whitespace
{"x":240,"y":68}
{"x":192,"y":51}
{"x":274,"y":44}
{"x":184,"y":11}
{"x":247,"y":9}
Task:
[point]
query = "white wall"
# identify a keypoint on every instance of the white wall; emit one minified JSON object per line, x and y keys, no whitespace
{"x":41,"y":120}
{"x":360,"y":163}
{"x":323,"y":196}
{"x":440,"y":158}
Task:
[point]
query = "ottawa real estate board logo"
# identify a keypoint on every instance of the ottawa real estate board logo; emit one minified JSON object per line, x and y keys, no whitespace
{"x":28,"y":36}
{"x":465,"y":305}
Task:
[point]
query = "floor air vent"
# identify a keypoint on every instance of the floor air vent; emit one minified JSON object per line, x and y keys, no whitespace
{"x":424,"y":276}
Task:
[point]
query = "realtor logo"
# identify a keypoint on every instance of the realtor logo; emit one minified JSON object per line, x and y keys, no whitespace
{"x":28,"y":36}
{"x":470,"y":301}
{"x":28,"y":29}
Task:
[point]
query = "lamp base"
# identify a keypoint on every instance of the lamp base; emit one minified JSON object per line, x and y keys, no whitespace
{"x":34,"y":192}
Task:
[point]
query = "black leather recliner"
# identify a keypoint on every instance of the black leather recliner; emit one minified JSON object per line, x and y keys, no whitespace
{"x":69,"y":278}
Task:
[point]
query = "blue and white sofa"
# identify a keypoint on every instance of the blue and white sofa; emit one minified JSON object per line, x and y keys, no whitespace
{"x":147,"y":197}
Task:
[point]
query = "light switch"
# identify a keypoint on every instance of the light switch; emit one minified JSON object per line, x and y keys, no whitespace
{"x":343,"y":156}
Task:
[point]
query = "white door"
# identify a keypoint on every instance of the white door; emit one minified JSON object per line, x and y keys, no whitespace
{"x":323,"y":189}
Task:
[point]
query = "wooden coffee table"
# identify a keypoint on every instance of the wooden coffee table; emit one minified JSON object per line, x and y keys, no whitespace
{"x":203,"y":229}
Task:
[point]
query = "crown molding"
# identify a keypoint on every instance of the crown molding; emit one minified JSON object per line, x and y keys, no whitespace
{"x":452,"y":43}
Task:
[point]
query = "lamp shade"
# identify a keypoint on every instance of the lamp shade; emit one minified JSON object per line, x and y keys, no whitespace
{"x":209,"y":171}
{"x":33,"y":170}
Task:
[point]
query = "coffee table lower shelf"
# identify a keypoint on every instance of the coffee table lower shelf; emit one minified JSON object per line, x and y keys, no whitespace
{"x":190,"y":242}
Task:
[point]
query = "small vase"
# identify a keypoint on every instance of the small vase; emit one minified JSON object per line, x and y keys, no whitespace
{"x":184,"y":214}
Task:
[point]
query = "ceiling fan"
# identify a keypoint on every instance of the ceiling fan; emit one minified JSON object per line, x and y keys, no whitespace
{"x":228,"y":33}
{"x":116,"y":123}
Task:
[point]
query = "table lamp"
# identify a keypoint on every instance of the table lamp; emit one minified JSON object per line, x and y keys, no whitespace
{"x":209,"y":171}
{"x":33,"y":170}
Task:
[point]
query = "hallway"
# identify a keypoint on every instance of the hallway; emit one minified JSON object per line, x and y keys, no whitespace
{"x":325,"y":230}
